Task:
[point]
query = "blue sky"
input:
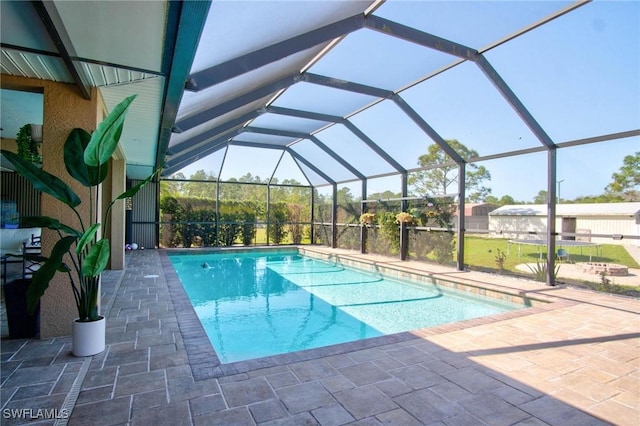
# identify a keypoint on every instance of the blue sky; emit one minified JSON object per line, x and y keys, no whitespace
{"x":579,"y":76}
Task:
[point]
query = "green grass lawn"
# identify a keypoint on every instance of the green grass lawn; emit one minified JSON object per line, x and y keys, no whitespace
{"x":261,"y":238}
{"x":481,"y":252}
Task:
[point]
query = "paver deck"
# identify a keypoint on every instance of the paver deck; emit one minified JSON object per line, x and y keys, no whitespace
{"x":575,"y":361}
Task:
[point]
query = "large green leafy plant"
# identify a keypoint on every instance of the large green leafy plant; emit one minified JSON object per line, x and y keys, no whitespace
{"x":86,"y":158}
{"x":27,"y":147}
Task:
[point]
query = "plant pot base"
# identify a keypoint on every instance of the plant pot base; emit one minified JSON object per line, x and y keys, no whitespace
{"x":21,"y":324}
{"x":88,"y":337}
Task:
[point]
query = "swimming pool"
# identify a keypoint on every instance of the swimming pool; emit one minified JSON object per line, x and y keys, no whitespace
{"x":257,"y":304}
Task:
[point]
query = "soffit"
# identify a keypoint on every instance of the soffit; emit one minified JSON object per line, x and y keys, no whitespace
{"x":107,"y":48}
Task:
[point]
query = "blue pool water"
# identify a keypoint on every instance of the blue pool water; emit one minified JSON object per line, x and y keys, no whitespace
{"x":258,"y":304}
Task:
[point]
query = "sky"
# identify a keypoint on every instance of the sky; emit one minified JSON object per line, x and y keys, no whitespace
{"x":578,"y":76}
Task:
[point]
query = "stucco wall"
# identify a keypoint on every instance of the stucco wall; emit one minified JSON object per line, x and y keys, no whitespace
{"x":9,"y":144}
{"x":64,"y":109}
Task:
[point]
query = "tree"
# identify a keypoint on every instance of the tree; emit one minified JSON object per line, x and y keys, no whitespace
{"x":491,"y":199}
{"x":502,"y":201}
{"x":199,"y":188}
{"x":384,"y":195}
{"x":603,"y":198}
{"x":627,"y":180}
{"x":344,"y":196}
{"x":506,"y":200}
{"x":541,"y":198}
{"x":172,"y":189}
{"x":246,"y":188}
{"x":440,"y":179}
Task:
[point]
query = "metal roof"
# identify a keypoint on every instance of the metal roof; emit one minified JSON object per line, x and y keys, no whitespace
{"x":103,"y":44}
{"x":597,"y":209}
{"x":318,"y":86}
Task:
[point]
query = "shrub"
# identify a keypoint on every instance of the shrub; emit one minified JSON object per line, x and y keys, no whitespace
{"x":500,"y":258}
{"x":540,"y":271}
{"x":390,"y":233}
{"x":278,"y":218}
{"x":248,"y":228}
{"x":295,"y":227}
{"x":228,"y":229}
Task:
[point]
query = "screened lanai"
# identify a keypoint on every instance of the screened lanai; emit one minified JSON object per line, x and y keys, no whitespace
{"x":347,"y":98}
{"x":396,"y":136}
{"x":444,"y":110}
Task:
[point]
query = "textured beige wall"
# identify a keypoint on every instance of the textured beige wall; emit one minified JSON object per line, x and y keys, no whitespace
{"x":9,"y":144}
{"x":64,"y":109}
{"x":114,"y":185}
{"x":118,"y":186}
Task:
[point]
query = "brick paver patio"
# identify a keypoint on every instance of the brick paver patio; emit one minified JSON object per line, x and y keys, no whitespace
{"x":575,"y":361}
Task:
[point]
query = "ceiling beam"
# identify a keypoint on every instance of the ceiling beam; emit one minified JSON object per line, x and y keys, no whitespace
{"x":371,"y":144}
{"x":260,"y":145}
{"x":426,"y":128}
{"x":237,"y":102}
{"x":298,"y":158}
{"x":169,"y":170}
{"x":316,"y":141}
{"x":55,"y":28}
{"x":413,"y":35}
{"x":339,"y":120}
{"x":344,"y":163}
{"x":304,"y":114}
{"x":277,"y":132}
{"x":513,"y":100}
{"x":211,"y":133}
{"x":171,"y":36}
{"x":251,"y":61}
{"x":347,"y":85}
{"x":190,"y":17}
{"x":183,"y":157}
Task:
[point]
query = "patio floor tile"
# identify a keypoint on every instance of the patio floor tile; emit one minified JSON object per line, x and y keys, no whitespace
{"x":247,"y":392}
{"x":571,"y":362}
{"x":365,"y":401}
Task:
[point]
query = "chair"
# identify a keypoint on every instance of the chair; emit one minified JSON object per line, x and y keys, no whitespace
{"x":31,"y":260}
{"x":564,"y":255}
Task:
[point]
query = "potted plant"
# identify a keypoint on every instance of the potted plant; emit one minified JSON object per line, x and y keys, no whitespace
{"x":404,"y":217}
{"x":80,"y":253}
{"x":28,"y":148}
{"x":367,"y":218}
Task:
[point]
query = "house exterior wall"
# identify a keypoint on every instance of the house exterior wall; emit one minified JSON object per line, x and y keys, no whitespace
{"x":64,"y":109}
{"x":113,"y":186}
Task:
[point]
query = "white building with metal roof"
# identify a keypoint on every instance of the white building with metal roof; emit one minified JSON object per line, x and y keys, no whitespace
{"x":604,"y":223}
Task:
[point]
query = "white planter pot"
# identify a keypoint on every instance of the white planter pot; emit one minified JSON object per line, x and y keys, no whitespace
{"x":88,"y":337}
{"x":36,"y":132}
